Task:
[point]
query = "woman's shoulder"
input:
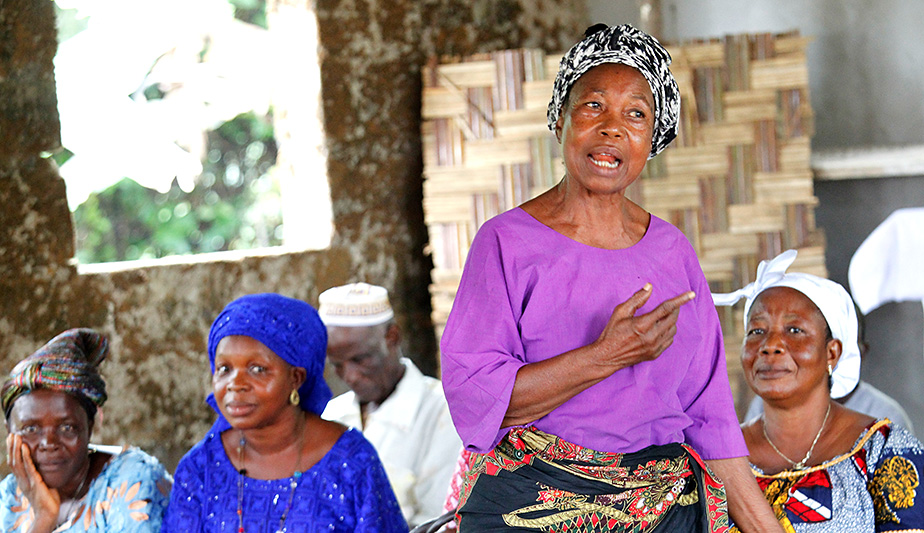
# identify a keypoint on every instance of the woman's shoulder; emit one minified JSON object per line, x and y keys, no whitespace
{"x":510,"y":222}
{"x":513,"y":233}
{"x":900,"y":436}
{"x":132,"y":488}
{"x":663,"y":234}
{"x":351,"y":457}
{"x":132,"y":465}
{"x":879,"y":440}
{"x":135,"y":459}
{"x":751,"y":430}
{"x":352,"y":443}
{"x":209,"y":449}
{"x":888,"y":439}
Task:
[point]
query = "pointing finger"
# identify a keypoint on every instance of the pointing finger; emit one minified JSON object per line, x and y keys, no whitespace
{"x":672,"y":305}
{"x":635,"y":302}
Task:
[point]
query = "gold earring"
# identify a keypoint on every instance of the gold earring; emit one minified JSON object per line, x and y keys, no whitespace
{"x":830,"y":371}
{"x":294,"y":398}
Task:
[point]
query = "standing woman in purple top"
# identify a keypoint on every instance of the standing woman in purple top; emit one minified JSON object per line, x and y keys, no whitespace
{"x":583,"y":359}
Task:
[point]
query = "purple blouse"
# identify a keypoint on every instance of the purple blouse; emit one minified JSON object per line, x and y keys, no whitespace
{"x":529,"y":293}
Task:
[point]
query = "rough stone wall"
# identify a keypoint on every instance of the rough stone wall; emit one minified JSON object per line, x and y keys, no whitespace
{"x":372,"y":55}
{"x":36,"y":239}
{"x":158,"y":316}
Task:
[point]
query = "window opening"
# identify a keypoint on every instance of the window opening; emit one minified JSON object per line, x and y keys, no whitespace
{"x":179,"y":132}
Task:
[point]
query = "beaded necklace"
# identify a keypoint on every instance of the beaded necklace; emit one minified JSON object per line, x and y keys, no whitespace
{"x":296,"y":477}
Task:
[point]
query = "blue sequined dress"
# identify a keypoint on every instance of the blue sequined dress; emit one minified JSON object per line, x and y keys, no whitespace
{"x":346,"y":491}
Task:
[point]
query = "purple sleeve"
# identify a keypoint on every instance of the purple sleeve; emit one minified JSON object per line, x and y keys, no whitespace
{"x":481,"y":347}
{"x":715,"y":432}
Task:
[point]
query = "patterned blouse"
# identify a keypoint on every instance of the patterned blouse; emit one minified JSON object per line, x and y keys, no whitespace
{"x":129,"y":495}
{"x":872,"y":488}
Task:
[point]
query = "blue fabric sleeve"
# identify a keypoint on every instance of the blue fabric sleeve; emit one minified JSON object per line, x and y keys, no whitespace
{"x":895,"y":481}
{"x":377,"y":508}
{"x":135,"y":491}
{"x":8,"y":501}
{"x":184,"y":513}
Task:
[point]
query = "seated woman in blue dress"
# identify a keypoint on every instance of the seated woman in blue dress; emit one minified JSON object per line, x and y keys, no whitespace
{"x":823,"y":467}
{"x":59,"y":481}
{"x":270,"y":463}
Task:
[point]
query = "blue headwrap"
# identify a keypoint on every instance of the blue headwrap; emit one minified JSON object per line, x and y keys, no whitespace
{"x":290,"y":328}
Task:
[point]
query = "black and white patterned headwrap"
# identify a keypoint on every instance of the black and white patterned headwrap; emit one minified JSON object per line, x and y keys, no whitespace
{"x":628,"y":46}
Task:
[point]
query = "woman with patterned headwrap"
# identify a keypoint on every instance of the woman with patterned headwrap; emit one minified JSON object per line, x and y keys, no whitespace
{"x":583,"y":360}
{"x":823,"y":467}
{"x":59,"y":481}
{"x":270,"y":463}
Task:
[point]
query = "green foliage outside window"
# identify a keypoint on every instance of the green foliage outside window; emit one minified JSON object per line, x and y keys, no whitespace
{"x":235,"y":204}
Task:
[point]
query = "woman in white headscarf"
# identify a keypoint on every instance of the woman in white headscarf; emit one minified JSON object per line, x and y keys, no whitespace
{"x":823,"y":468}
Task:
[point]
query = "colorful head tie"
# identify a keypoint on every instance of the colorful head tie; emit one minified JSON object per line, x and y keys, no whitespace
{"x":67,"y":363}
{"x":355,"y":305}
{"x":290,"y":328}
{"x":628,"y":46}
{"x":831,"y":299}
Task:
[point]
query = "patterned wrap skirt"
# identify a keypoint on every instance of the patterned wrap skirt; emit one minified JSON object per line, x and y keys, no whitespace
{"x":537,"y":482}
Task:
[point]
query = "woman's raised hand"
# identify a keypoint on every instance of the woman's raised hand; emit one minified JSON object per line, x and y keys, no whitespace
{"x":45,"y":501}
{"x":628,"y":339}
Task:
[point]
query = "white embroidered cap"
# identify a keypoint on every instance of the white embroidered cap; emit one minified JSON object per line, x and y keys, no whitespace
{"x":831,"y":299}
{"x":355,"y":305}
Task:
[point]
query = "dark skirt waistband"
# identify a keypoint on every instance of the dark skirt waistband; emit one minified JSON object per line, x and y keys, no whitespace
{"x":533,"y":481}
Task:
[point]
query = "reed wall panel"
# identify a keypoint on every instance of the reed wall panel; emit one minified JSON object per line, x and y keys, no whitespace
{"x":736,"y":181}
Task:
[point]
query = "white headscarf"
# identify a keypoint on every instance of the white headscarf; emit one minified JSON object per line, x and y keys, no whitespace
{"x":831,"y":298}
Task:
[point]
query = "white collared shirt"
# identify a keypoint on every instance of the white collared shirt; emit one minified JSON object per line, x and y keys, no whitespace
{"x":414,"y":437}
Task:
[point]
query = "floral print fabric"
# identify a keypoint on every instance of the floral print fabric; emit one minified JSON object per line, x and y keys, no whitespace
{"x":876,"y":487}
{"x":128,"y":496}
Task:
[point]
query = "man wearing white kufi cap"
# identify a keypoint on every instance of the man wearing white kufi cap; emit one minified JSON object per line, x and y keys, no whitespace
{"x":399,"y":410}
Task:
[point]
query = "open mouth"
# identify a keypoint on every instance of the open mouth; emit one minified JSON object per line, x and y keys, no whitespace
{"x":604,"y":160}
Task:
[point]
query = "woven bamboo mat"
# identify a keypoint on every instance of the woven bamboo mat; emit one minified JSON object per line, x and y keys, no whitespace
{"x":737,"y":180}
